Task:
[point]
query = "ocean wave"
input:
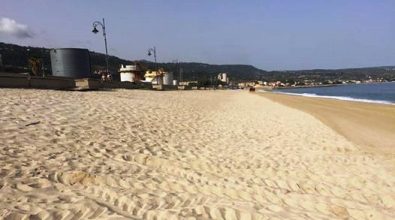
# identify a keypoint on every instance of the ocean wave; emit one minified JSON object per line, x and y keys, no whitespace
{"x":344,"y":98}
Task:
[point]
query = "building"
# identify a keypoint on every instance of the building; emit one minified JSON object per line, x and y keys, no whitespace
{"x":223,"y":77}
{"x":154,"y":76}
{"x":131,"y":73}
{"x":67,"y":62}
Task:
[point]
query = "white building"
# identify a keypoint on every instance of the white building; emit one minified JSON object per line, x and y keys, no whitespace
{"x":130,"y":73}
{"x":223,"y":77}
{"x":154,"y":77}
{"x":160,"y":77}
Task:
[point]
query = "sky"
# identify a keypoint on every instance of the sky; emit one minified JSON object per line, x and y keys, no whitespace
{"x":269,"y":34}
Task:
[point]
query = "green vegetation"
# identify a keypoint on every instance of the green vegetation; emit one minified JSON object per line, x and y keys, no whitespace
{"x":15,"y":59}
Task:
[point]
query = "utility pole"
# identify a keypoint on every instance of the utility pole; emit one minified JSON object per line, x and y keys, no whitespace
{"x":43,"y":60}
{"x":181,"y":71}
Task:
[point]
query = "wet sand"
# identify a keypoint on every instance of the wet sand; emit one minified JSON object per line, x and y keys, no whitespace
{"x":367,"y":124}
{"x":132,"y":154}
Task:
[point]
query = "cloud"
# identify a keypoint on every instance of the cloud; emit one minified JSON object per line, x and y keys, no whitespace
{"x":11,"y":27}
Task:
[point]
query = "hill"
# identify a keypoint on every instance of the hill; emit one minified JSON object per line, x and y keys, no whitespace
{"x":15,"y":59}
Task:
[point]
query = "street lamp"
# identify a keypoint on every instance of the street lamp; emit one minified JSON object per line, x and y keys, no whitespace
{"x":152,"y":50}
{"x":95,"y":31}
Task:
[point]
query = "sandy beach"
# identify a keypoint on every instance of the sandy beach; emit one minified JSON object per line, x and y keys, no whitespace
{"x":134,"y":154}
{"x":369,"y":125}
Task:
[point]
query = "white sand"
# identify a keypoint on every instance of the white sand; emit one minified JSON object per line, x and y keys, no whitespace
{"x":182,"y":155}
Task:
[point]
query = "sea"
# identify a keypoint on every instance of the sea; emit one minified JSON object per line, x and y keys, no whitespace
{"x":383,"y":93}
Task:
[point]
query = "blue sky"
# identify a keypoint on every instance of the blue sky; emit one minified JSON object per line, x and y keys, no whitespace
{"x":269,"y":34}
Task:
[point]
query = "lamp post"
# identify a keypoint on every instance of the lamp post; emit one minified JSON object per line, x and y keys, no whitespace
{"x":150,"y":51}
{"x":95,"y":31}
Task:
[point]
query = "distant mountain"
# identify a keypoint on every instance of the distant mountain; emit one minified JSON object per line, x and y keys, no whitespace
{"x":195,"y":71}
{"x":15,"y":59}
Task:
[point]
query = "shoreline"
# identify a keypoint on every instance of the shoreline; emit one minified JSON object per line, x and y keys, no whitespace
{"x":340,"y":98}
{"x":370,"y":125}
{"x":353,"y":98}
{"x":303,"y":87}
{"x":329,"y":85}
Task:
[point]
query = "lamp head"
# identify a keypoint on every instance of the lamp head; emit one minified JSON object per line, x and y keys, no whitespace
{"x":95,"y":31}
{"x":149,"y":53}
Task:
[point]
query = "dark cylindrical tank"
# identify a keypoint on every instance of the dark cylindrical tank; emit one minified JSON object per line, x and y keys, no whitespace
{"x":70,"y":62}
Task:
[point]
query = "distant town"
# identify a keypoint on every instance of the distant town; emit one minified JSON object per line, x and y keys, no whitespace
{"x":305,"y":83}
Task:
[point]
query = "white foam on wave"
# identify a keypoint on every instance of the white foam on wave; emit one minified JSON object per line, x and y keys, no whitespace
{"x":344,"y":98}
